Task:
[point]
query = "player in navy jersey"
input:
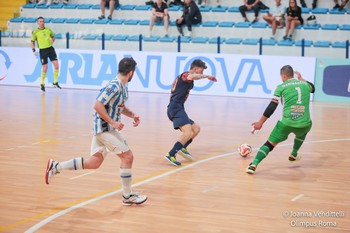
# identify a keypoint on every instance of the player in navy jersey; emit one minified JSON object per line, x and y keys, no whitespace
{"x":107,"y":138}
{"x":176,"y":110}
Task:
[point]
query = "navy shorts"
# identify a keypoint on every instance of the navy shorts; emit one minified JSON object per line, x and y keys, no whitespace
{"x":176,"y":113}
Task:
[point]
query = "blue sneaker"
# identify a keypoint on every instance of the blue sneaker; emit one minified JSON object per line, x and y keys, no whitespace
{"x":172,"y":160}
{"x":184,"y":153}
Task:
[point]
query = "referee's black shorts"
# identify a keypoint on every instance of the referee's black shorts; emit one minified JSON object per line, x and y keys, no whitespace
{"x":47,"y":53}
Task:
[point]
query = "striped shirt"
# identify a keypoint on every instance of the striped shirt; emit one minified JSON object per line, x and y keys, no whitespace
{"x":113,"y":97}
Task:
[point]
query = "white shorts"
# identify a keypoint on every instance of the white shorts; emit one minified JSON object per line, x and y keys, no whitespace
{"x":112,"y":141}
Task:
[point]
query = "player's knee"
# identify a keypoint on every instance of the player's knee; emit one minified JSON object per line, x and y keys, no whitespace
{"x":269,"y":145}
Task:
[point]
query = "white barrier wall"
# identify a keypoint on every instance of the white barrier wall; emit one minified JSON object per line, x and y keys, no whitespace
{"x":238,"y":75}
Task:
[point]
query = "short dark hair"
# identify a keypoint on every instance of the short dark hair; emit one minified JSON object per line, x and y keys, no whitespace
{"x":126,"y":65}
{"x":40,"y":17}
{"x":288,"y":71}
{"x":198,"y":63}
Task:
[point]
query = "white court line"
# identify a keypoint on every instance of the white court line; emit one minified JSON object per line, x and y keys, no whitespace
{"x":65,"y":211}
{"x":10,"y":149}
{"x":297,"y":197}
{"x":85,"y":174}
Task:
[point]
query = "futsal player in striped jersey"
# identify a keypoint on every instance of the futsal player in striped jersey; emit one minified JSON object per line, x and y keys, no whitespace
{"x":176,"y":111}
{"x":107,"y":136}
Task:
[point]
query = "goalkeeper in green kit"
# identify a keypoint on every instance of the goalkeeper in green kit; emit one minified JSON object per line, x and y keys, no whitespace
{"x":295,"y":96}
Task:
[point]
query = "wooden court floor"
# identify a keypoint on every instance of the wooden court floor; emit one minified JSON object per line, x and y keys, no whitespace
{"x":213,"y":194}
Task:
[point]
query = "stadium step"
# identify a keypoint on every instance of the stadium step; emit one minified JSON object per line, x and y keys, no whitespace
{"x":9,"y":9}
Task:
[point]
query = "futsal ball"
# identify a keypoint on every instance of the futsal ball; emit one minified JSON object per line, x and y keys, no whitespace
{"x":245,"y":150}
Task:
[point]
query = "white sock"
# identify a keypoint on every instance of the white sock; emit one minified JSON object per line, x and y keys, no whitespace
{"x":73,"y":164}
{"x":125,"y":175}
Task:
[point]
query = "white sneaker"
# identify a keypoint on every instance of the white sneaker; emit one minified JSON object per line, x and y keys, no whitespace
{"x":189,"y":34}
{"x":51,"y":170}
{"x":48,"y":2}
{"x":56,"y":1}
{"x":65,"y":2}
{"x":134,"y":198}
{"x":41,"y":2}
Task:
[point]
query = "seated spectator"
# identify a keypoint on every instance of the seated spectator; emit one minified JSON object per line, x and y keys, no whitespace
{"x":65,"y":2}
{"x":177,"y":3}
{"x":159,"y":13}
{"x":275,"y":17}
{"x":293,"y":19}
{"x":204,"y":2}
{"x":111,"y":4}
{"x":341,"y":6}
{"x":303,"y":4}
{"x":255,"y":5}
{"x":190,"y":15}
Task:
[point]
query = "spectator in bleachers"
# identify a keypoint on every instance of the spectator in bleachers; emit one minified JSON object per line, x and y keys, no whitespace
{"x":275,"y":16}
{"x":159,"y":13}
{"x":341,"y":6}
{"x":177,"y":3}
{"x":204,"y":2}
{"x":190,"y":15}
{"x":255,"y":5}
{"x":111,"y":4}
{"x":303,"y":4}
{"x":65,"y":2}
{"x":293,"y":19}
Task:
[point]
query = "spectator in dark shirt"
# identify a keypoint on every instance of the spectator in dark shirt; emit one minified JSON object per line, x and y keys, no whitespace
{"x":191,"y":15}
{"x":255,"y":5}
{"x":341,"y":6}
{"x":293,"y":19}
{"x":159,"y":13}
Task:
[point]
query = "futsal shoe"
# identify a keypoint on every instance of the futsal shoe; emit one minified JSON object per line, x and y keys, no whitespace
{"x":293,"y":158}
{"x":51,"y":170}
{"x":251,"y":168}
{"x":42,"y":87}
{"x":56,"y":85}
{"x":184,"y":153}
{"x":172,"y":160}
{"x":134,"y":198}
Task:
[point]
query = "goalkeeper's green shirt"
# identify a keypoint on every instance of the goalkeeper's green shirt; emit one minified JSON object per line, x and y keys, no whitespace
{"x":43,"y":37}
{"x":295,"y":96}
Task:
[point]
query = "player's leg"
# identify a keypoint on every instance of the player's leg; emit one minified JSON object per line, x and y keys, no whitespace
{"x":44,"y":59}
{"x":184,"y":152}
{"x":279,"y":134}
{"x":98,"y":152}
{"x":180,"y":121}
{"x":53,"y":58}
{"x":300,"y":135}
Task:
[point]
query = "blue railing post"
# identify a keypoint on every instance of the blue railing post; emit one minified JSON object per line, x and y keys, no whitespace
{"x":219,"y":40}
{"x":67,"y":40}
{"x":347,"y":49}
{"x":140,"y":42}
{"x":178,"y":44}
{"x":103,"y":41}
{"x":260,"y":46}
{"x":303,"y":47}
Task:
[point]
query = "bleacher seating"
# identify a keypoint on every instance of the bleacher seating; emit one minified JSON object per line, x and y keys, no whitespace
{"x":130,"y":20}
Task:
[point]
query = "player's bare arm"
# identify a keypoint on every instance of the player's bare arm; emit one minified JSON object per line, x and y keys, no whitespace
{"x":201,"y":76}
{"x":127,"y":112}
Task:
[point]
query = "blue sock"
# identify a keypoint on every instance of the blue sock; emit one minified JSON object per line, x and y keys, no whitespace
{"x":175,"y":149}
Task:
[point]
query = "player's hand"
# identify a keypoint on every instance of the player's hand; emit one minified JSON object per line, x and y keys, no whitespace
{"x":298,"y":75}
{"x":35,"y":53}
{"x":256,"y":126}
{"x":212,"y":78}
{"x":117,"y":125}
{"x":137,"y":120}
